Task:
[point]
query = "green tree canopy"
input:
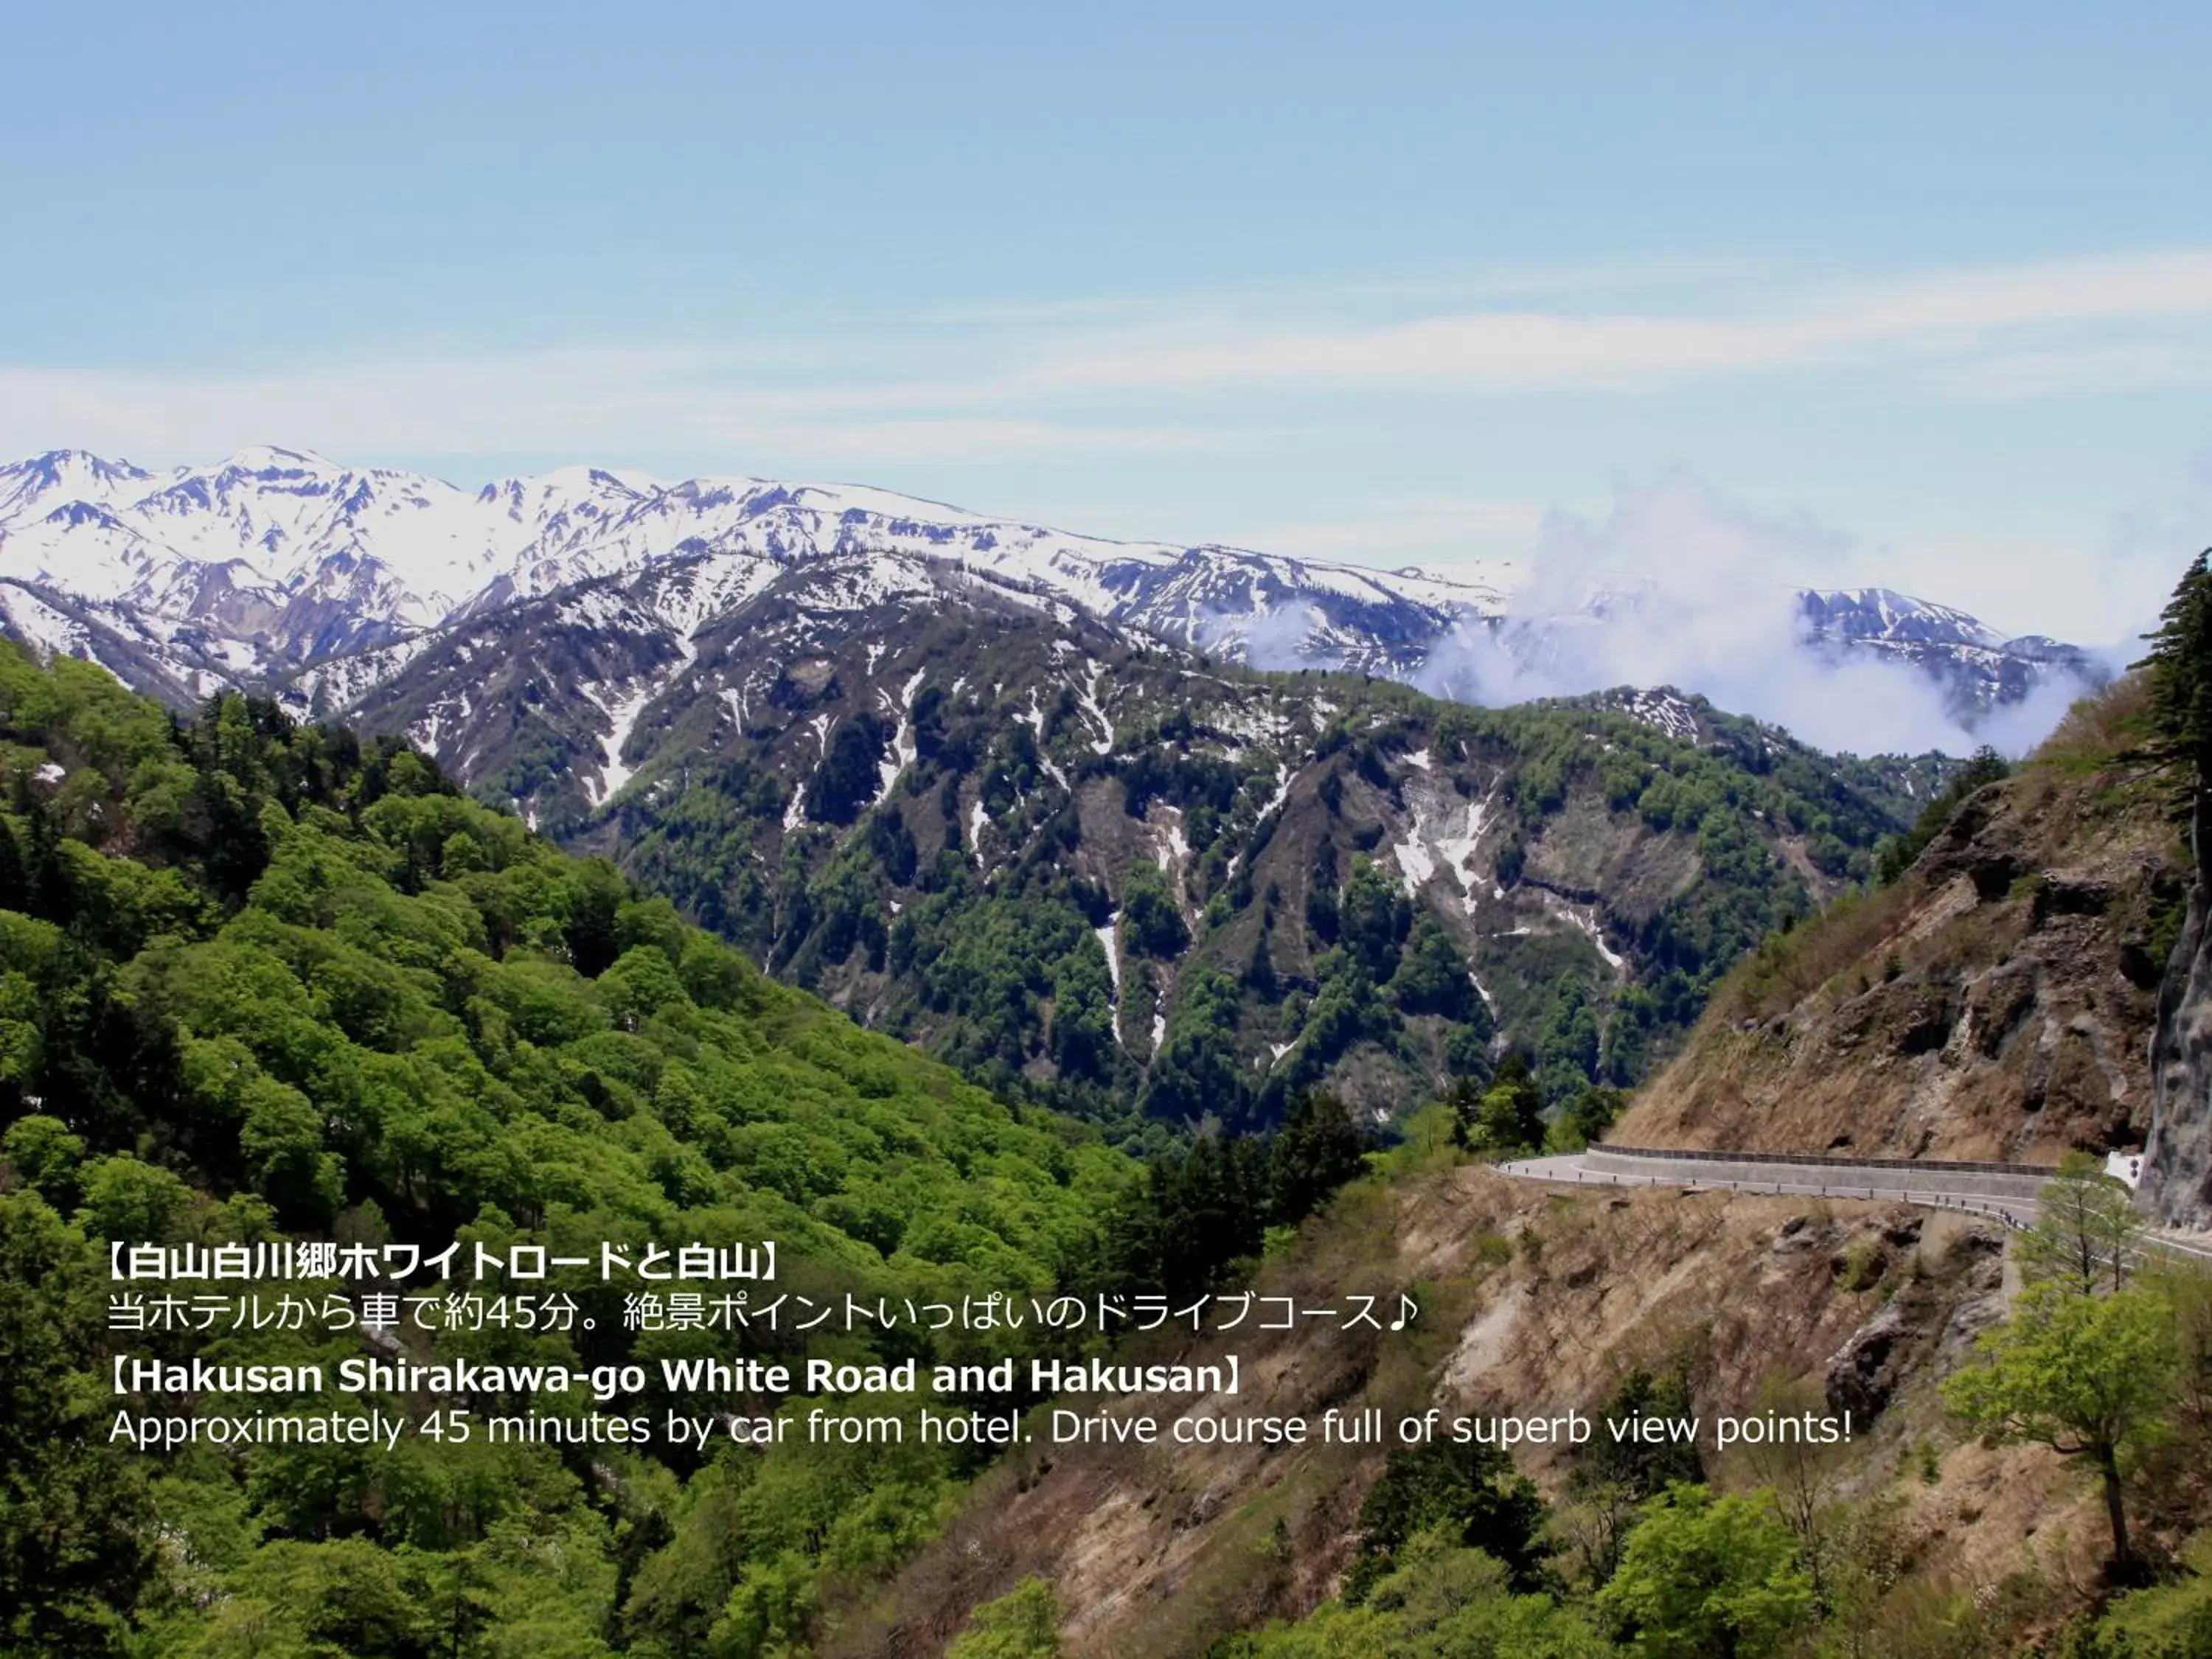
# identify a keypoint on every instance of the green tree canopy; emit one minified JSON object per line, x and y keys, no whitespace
{"x":2179,"y":668}
{"x":1152,"y":924}
{"x":2089,"y":1376}
{"x":1470,"y":1492}
{"x":285,"y":982}
{"x":2087,"y":1232}
{"x":1707,"y":1577}
{"x":1508,"y":1116}
{"x":1439,"y":1601}
{"x":1022,"y":1623}
{"x":74,"y":1544}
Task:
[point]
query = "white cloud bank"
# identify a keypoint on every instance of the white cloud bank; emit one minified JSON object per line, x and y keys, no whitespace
{"x":1677,"y":586}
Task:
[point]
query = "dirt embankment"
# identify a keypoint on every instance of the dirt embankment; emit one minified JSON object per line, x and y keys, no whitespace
{"x":1996,"y":1002}
{"x":1533,"y":1300}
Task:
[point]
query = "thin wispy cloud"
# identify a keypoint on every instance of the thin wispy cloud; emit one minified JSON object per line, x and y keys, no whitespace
{"x":1949,"y":315}
{"x":1029,"y":408}
{"x":1087,"y":378}
{"x":584,"y":404}
{"x":2088,"y":369}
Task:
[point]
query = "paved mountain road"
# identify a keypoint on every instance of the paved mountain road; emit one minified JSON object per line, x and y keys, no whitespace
{"x":2006,"y":1195}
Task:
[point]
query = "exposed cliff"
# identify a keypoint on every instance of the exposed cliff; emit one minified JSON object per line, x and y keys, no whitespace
{"x":1996,"y":1001}
{"x":2177,"y":1178}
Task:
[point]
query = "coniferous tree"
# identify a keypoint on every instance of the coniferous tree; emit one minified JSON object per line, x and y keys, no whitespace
{"x":1612,"y":1479}
{"x":1211,"y":1205}
{"x":13,"y":888}
{"x":1465,"y":1099}
{"x":1592,"y":1112}
{"x":1318,"y":1149}
{"x":1470,"y":1491}
{"x":1260,"y":969}
{"x":2179,"y":668}
{"x":847,"y":779}
{"x":1641,"y":1468}
{"x":45,"y":882}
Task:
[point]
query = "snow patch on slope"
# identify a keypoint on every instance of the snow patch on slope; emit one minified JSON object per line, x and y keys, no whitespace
{"x":903,"y":747}
{"x":1109,"y":941}
{"x":622,"y":718}
{"x":1457,"y":851}
{"x":1104,"y":743}
{"x":1416,"y":864}
{"x":1587,"y":924}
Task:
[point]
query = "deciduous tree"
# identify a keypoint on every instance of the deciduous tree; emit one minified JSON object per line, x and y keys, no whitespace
{"x":1706,"y":1578}
{"x":2087,"y":1232}
{"x":1022,"y":1623}
{"x":2089,"y":1376}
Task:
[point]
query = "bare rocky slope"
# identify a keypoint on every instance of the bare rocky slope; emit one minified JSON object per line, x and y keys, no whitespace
{"x":1533,"y":1300}
{"x":1996,"y":1001}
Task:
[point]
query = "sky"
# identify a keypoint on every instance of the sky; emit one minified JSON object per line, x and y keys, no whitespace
{"x":1922,"y":294}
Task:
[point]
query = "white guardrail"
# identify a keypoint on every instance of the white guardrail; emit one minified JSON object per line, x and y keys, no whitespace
{"x":2006,"y":1191}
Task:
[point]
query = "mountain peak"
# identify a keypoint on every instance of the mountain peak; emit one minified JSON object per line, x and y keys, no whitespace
{"x":58,"y":467}
{"x":348,"y":554}
{"x":1862,"y":613}
{"x":274,"y":457}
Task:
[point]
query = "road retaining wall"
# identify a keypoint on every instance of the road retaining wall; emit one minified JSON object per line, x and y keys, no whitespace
{"x":2021,"y":1180}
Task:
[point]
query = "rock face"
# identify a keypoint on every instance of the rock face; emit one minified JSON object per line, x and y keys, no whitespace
{"x":1996,"y":1001}
{"x":2177,"y":1178}
{"x":1166,"y":1546}
{"x":1883,"y":1355}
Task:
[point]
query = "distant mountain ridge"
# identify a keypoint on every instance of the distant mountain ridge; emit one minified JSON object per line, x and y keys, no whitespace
{"x":994,"y":789}
{"x":1101,"y":871}
{"x":192,"y":578}
{"x":276,"y":558}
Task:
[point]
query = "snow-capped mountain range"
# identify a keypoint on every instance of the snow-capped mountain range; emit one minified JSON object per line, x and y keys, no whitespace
{"x":278,"y":566}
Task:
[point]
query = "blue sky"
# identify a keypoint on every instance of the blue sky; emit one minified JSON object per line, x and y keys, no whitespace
{"x":1926,"y":291}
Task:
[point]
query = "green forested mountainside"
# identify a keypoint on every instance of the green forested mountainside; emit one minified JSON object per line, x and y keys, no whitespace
{"x":258,"y":979}
{"x":1143,"y":887}
{"x":1201,"y":924}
